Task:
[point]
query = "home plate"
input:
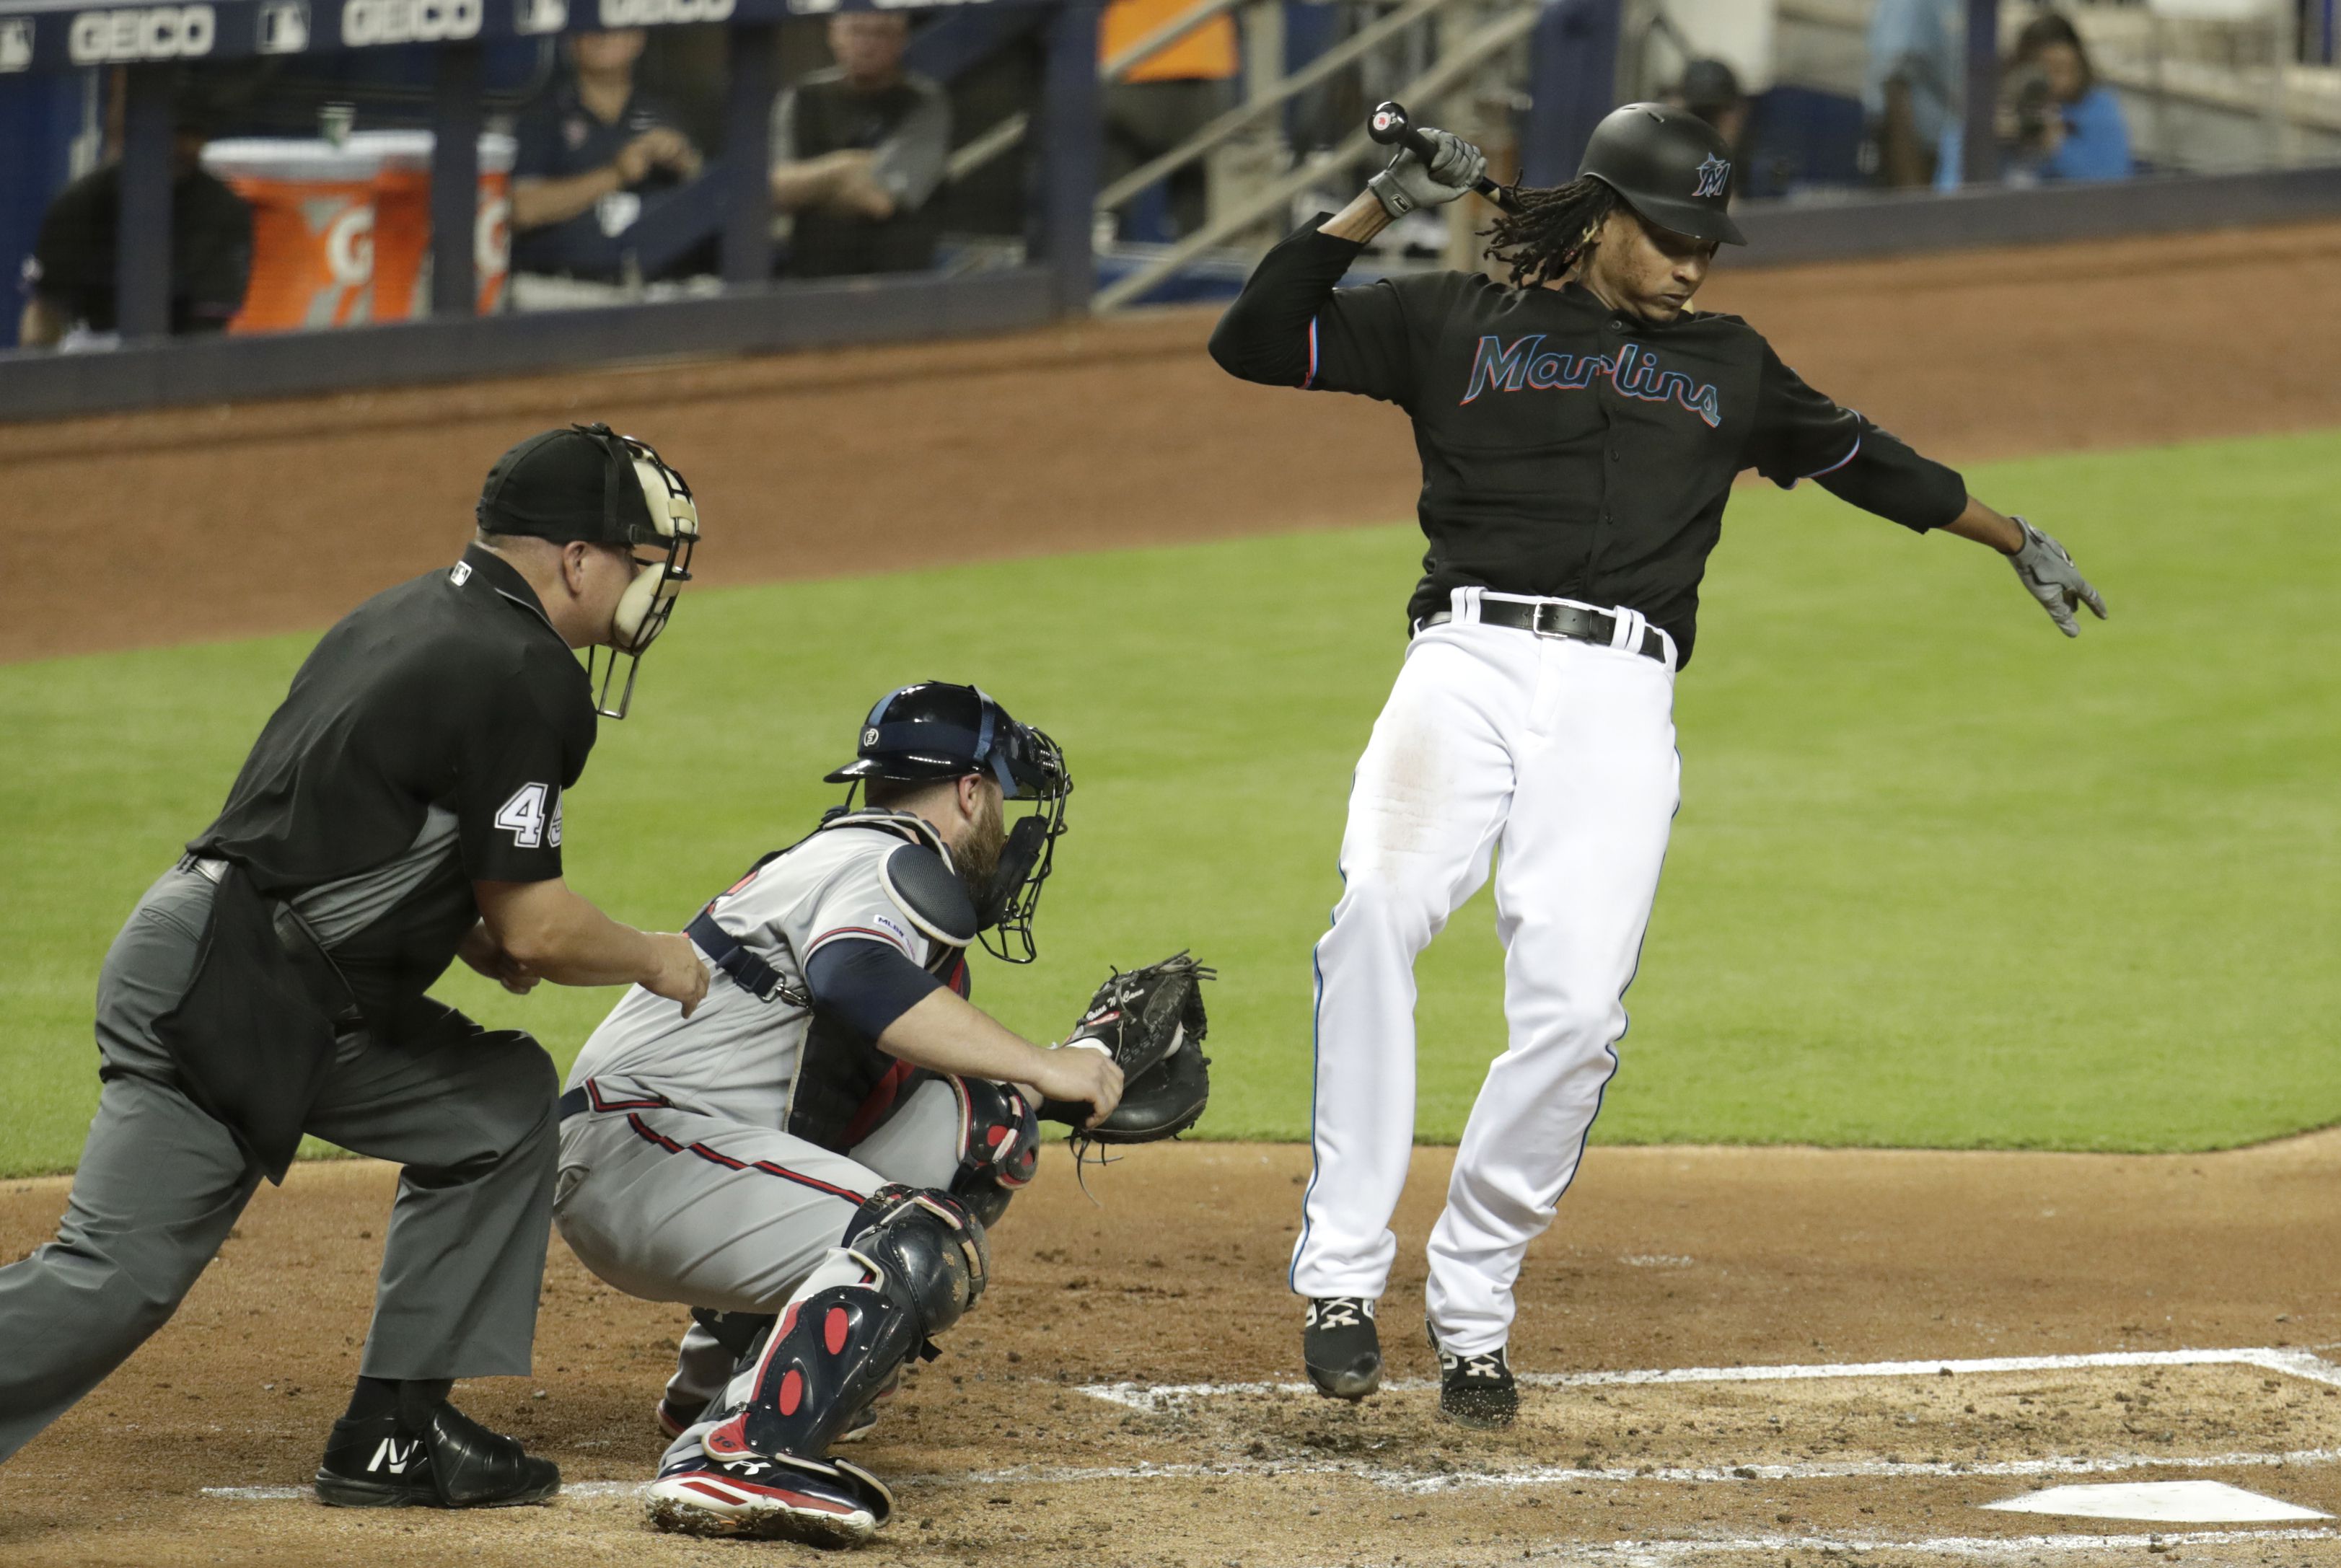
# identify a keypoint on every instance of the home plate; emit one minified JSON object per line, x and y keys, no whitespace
{"x":2179,"y":1501}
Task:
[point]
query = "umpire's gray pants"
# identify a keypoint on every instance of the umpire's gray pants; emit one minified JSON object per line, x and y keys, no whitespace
{"x":470,"y":1113}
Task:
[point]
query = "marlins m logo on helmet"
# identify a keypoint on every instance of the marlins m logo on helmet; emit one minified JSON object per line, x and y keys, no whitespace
{"x":1714,"y":174}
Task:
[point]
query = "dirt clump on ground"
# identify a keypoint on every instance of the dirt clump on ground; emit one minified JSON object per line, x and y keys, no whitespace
{"x":1063,"y":1426}
{"x":227,"y":520}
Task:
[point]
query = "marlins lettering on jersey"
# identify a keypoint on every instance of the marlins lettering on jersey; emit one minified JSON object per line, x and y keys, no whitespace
{"x":1633,"y":370}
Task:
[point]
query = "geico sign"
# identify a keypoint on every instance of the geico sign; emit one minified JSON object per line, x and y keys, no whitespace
{"x":365,"y":21}
{"x":141,"y":33}
{"x":656,"y":12}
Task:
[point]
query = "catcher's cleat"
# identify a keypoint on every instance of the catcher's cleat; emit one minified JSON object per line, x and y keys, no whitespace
{"x":815,"y":1502}
{"x":450,"y":1460}
{"x":1341,"y":1347}
{"x":1475,"y":1390}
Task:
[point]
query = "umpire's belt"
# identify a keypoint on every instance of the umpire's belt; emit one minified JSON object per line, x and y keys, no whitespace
{"x":1551,"y":618}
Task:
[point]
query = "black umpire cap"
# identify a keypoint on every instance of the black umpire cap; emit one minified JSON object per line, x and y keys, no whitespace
{"x":558,"y":484}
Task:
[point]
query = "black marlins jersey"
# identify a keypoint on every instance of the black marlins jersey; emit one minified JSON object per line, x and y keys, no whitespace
{"x":1568,"y":450}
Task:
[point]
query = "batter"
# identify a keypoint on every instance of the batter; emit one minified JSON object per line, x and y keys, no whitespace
{"x":1580,"y":428}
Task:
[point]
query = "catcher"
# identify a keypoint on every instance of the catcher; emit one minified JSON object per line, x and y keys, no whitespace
{"x":809,"y":1160}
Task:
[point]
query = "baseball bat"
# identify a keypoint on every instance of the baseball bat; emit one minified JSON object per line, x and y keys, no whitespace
{"x":1389,"y":125}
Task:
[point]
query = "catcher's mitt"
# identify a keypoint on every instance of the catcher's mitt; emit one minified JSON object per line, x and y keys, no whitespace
{"x":1151,"y":1022}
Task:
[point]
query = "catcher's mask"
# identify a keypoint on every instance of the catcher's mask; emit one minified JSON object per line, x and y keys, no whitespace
{"x":935,"y":730}
{"x":588,"y":482}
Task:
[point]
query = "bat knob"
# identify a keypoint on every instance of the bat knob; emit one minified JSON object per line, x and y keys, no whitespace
{"x":1389,"y":124}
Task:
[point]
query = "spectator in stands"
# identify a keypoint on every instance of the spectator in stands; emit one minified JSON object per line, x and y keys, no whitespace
{"x":1910,"y":88}
{"x":1710,"y":90}
{"x":857,"y":151}
{"x":589,"y":152}
{"x":69,"y":278}
{"x":1167,"y":96}
{"x":2065,"y":125}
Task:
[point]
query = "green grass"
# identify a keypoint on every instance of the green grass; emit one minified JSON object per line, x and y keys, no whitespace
{"x":1940,"y":876}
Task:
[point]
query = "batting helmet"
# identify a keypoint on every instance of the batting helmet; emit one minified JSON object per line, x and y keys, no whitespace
{"x":1668,"y":165}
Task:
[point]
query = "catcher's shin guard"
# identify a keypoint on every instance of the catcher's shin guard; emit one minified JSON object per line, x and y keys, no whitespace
{"x":999,"y":1147}
{"x":921,"y":1259}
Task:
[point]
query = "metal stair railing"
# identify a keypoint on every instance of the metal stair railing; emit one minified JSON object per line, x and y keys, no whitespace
{"x":1424,"y":90}
{"x":1285,"y":89}
{"x":1009,"y":131}
{"x":1165,"y":35}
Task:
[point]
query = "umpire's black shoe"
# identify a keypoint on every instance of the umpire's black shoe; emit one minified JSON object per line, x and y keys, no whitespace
{"x":449,"y":1460}
{"x":1340,"y":1348}
{"x":1475,"y":1390}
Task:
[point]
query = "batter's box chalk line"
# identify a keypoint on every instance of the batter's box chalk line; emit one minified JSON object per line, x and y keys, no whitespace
{"x":1156,"y":1399}
{"x":1974,"y":1548}
{"x":1153,"y":1397}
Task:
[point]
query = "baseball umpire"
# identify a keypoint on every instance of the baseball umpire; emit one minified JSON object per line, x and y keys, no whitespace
{"x":827,"y":1139}
{"x":401,"y":809}
{"x":1580,"y":428}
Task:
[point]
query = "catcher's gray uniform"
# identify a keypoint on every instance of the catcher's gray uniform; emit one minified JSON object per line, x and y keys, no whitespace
{"x":716,"y":1160}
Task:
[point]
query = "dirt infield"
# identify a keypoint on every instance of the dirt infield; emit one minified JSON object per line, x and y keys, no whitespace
{"x":1027,"y":1442}
{"x":223,"y":521}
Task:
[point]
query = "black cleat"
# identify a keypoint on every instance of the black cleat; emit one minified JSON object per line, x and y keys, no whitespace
{"x":1340,"y":1348}
{"x":1475,"y":1390}
{"x":450,"y":1460}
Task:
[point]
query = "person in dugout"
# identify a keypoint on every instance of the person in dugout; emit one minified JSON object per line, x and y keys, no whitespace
{"x":587,"y":155}
{"x":858,"y":154}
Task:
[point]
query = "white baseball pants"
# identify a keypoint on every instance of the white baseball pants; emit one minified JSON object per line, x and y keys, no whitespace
{"x":1560,"y":754}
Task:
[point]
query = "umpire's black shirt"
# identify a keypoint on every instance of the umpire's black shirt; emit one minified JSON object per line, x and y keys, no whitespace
{"x":1568,"y":450}
{"x":424,"y":746}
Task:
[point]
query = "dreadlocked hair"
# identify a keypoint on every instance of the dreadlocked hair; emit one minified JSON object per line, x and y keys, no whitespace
{"x":1548,"y":230}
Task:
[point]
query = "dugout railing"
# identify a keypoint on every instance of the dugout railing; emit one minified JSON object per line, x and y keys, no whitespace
{"x":752,"y":313}
{"x":1569,"y":49}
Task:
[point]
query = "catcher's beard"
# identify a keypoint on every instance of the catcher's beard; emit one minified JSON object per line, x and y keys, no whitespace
{"x":978,"y":855}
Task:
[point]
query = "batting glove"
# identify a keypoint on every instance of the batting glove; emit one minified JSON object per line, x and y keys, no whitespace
{"x":2049,"y":575}
{"x":1409,"y":183}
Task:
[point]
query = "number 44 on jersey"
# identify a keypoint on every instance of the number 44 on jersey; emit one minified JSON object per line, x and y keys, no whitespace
{"x":524,"y":818}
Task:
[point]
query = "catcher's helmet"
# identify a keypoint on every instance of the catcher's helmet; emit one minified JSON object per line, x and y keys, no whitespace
{"x":1670,"y":165}
{"x":933,"y":730}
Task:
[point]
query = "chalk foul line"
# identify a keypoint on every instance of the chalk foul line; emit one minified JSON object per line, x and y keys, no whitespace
{"x":1978,"y":1547}
{"x":2300,"y":1364}
{"x":1524,"y":1476}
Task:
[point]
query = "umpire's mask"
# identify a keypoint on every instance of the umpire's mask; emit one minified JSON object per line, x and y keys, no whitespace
{"x":588,"y":482}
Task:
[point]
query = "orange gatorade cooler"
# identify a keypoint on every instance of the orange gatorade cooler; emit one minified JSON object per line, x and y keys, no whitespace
{"x":402,"y":220}
{"x":313,"y":216}
{"x":401,"y":248}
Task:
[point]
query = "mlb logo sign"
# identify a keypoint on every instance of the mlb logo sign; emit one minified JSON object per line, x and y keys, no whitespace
{"x":282,"y":28}
{"x":17,"y":43}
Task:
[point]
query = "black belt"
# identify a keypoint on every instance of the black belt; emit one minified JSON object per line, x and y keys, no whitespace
{"x":1548,"y":619}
